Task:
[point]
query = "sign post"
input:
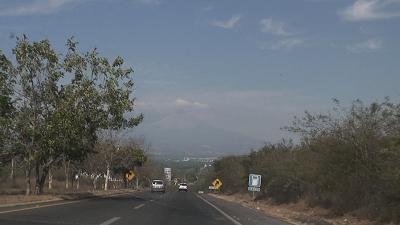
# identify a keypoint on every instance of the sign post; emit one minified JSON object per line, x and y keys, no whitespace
{"x":254,"y":183}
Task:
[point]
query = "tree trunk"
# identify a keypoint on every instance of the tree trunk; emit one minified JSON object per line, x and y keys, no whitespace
{"x":27,"y":181}
{"x":72,"y":182}
{"x":12,"y":175}
{"x":77,"y":180}
{"x":95,"y":182}
{"x":66,"y":172}
{"x":37,"y":180}
{"x":50,"y":179}
{"x":107,"y":177}
{"x":137,"y":177}
{"x":40,"y":178}
{"x":125,"y":182}
{"x":42,"y":181}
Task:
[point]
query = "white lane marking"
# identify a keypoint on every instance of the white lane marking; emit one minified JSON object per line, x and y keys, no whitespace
{"x":41,"y":206}
{"x":139,"y":206}
{"x":61,"y":203}
{"x":28,"y":203}
{"x":220,"y":211}
{"x":110,"y":221}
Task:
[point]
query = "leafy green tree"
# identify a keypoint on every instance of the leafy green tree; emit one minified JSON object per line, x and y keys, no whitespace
{"x":6,"y":109}
{"x":151,"y":169}
{"x":62,"y":102}
{"x":138,"y":158}
{"x":352,"y":149}
{"x":347,"y":159}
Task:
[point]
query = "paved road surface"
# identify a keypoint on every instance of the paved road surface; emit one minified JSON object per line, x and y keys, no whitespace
{"x":141,"y":208}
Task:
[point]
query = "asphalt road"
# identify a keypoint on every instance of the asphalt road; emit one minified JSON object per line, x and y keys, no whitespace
{"x":171,"y":208}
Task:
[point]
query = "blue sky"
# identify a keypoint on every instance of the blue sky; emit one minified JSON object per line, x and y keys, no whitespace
{"x":241,"y":66}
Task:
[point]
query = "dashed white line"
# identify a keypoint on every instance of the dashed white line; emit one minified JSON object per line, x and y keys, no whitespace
{"x":110,"y":221}
{"x":139,"y":206}
{"x":220,"y":211}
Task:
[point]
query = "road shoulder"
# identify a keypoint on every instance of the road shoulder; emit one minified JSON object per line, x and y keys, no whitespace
{"x":33,"y":201}
{"x":295,"y":213}
{"x":242,"y":214}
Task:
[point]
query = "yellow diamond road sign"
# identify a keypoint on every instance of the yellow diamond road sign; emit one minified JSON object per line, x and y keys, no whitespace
{"x":130,"y":175}
{"x":217,"y":183}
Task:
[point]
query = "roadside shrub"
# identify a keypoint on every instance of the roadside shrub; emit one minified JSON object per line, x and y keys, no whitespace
{"x":231,"y":172}
{"x":284,"y":189}
{"x":347,"y":160}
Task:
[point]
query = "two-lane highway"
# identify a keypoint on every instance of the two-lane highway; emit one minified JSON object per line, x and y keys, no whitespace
{"x":141,"y":208}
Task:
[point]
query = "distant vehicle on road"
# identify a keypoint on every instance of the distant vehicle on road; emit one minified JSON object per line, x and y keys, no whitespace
{"x":158,"y":186}
{"x":183,"y":187}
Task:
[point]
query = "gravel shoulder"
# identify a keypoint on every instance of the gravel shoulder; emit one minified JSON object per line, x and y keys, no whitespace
{"x":296,"y":213}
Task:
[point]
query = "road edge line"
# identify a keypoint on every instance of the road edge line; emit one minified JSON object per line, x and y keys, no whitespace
{"x":62,"y":202}
{"x":7,"y":205}
{"x":220,"y":211}
{"x":40,"y":206}
{"x":59,"y":198}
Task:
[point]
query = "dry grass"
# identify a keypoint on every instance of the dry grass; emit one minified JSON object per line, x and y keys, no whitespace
{"x":13,"y":192}
{"x":10,"y":199}
{"x":296,"y":213}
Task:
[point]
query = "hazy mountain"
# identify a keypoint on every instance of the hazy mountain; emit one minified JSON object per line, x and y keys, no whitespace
{"x":181,"y":134}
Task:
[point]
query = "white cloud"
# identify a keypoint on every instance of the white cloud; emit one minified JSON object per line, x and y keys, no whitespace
{"x":370,"y":45}
{"x":255,"y":113}
{"x":285,"y":40}
{"x":170,"y":105}
{"x":189,"y":104}
{"x":366,"y":10}
{"x":228,"y":24}
{"x":36,"y":7}
{"x":273,"y":27}
{"x":287,"y":43}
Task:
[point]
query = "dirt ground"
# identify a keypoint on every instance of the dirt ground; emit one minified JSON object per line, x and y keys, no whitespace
{"x":296,"y":213}
{"x":11,"y":199}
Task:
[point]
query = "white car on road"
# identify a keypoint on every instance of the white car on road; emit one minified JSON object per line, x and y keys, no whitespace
{"x":183,"y":187}
{"x":158,"y":186}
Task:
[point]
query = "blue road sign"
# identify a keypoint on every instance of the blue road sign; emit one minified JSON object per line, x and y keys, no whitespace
{"x":254,"y":180}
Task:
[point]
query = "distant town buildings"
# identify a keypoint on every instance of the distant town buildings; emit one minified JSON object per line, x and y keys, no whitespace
{"x":204,"y":160}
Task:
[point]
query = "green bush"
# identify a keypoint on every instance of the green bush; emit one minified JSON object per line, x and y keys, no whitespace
{"x":347,"y":160}
{"x":284,"y":189}
{"x":231,"y":172}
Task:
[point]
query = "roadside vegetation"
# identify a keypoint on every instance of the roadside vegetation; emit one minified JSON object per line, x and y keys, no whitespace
{"x":347,"y":160}
{"x":183,"y":171}
{"x":62,"y":116}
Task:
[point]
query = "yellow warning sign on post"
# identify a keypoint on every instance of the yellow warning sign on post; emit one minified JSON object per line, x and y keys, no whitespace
{"x":130,"y":175}
{"x":217,"y":183}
